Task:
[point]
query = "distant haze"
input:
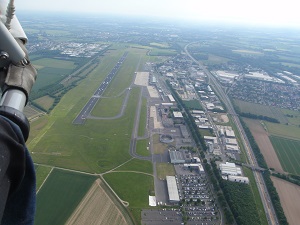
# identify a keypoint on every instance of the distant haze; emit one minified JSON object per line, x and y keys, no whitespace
{"x":257,"y":12}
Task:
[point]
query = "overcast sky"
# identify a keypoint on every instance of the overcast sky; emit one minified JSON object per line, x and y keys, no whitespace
{"x":272,"y":12}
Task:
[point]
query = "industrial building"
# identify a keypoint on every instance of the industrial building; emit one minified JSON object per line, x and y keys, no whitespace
{"x":172,"y":189}
{"x":229,"y":133}
{"x":177,"y":157}
{"x":197,"y":166}
{"x":230,"y":169}
{"x":231,"y":141}
{"x":238,"y":179}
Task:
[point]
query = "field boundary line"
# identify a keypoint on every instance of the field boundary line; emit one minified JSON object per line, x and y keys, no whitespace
{"x":44,"y":180}
{"x":131,"y":171}
{"x":65,"y":169}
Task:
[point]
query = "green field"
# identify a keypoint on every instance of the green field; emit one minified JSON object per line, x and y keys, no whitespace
{"x":138,"y":166}
{"x":164,"y":169}
{"x":162,"y":52}
{"x":257,"y":109}
{"x":41,"y":173}
{"x":98,"y":145}
{"x":60,"y":195}
{"x":108,"y":107}
{"x":45,"y":102}
{"x":288,"y":152}
{"x":193,"y":104}
{"x":142,"y":147}
{"x":282,"y":130}
{"x":54,"y":63}
{"x":143,"y":118}
{"x":125,"y":185}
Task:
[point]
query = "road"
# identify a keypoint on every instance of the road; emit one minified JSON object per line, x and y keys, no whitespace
{"x":268,"y":206}
{"x":87,"y":109}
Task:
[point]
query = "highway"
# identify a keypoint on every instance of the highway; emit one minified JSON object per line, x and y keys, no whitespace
{"x":87,"y":109}
{"x":268,"y":206}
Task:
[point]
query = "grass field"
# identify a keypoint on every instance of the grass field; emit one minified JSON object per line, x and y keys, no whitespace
{"x":214,"y":59}
{"x":282,"y":130}
{"x":288,"y":152}
{"x":45,"y":102}
{"x":160,"y":45}
{"x":142,"y":147}
{"x":158,"y":147}
{"x":97,"y":146}
{"x":143,"y":118}
{"x":138,"y":166}
{"x":41,"y":173}
{"x":125,"y":185}
{"x":164,"y":169}
{"x":248,"y":52}
{"x":108,"y":107}
{"x":162,"y":52}
{"x":293,"y":118}
{"x":60,"y":195}
{"x":257,"y":109}
{"x":54,"y":63}
{"x":193,"y":104}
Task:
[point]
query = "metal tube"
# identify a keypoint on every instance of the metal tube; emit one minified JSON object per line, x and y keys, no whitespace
{"x":8,"y":44}
{"x":14,"y":98}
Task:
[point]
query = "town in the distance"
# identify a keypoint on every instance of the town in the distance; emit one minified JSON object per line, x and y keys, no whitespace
{"x":150,"y":122}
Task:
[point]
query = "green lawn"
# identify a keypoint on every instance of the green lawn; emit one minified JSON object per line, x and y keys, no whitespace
{"x":142,"y":147}
{"x":164,"y":169}
{"x":143,"y":118}
{"x":60,"y":195}
{"x":162,"y":52}
{"x":108,"y":107}
{"x":55,"y":63}
{"x":137,"y":165}
{"x":288,"y":152}
{"x":41,"y":173}
{"x":193,"y":104}
{"x":133,"y":188}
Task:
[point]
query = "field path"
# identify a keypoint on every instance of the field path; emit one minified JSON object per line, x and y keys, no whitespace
{"x":263,"y":141}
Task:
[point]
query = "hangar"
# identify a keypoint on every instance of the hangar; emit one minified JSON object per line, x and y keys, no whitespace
{"x":172,"y":189}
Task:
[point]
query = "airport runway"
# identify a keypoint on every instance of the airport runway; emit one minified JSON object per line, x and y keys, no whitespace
{"x":87,"y":109}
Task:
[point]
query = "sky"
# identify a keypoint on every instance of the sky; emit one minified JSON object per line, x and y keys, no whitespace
{"x":257,"y":12}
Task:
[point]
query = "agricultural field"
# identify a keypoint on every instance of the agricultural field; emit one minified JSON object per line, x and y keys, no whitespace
{"x":45,"y":102}
{"x":41,"y":173}
{"x":125,"y":185}
{"x":288,"y":152}
{"x":97,"y":208}
{"x":248,"y":52}
{"x":289,"y":195}
{"x":257,"y":109}
{"x":214,"y":59}
{"x":263,"y":141}
{"x":60,"y":195}
{"x":31,"y":112}
{"x":283,"y":130}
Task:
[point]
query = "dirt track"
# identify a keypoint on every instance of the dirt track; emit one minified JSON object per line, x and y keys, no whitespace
{"x":290,"y":199}
{"x":96,"y":209}
{"x":262,"y":139}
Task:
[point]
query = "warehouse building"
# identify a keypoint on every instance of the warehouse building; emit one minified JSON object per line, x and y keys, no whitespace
{"x":172,"y":189}
{"x":177,"y":157}
{"x":230,"y":169}
{"x":238,"y":179}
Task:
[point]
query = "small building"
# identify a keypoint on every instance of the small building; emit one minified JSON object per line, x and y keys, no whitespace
{"x":232,"y":148}
{"x":197,"y":166}
{"x":197,"y":112}
{"x":172,"y":189}
{"x":178,"y":115}
{"x":238,"y":179}
{"x":212,"y":139}
{"x":229,"y":133}
{"x":171,"y":98}
{"x":231,"y":141}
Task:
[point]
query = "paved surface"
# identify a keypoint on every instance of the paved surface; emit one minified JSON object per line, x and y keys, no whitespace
{"x":85,"y":112}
